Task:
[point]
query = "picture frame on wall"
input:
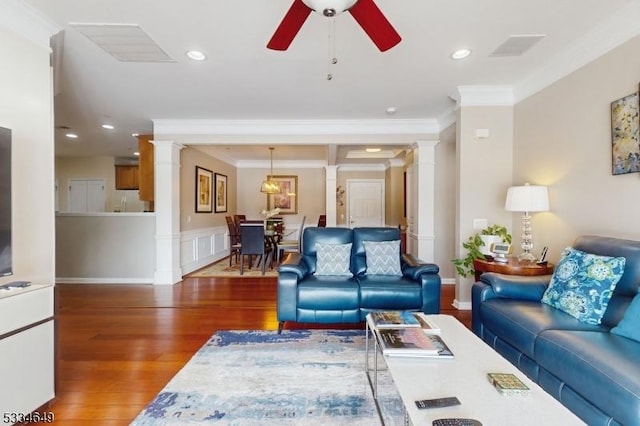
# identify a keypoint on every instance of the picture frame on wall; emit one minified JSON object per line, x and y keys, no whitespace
{"x":204,"y":186}
{"x":625,"y":134}
{"x":220,"y":193}
{"x":287,"y":200}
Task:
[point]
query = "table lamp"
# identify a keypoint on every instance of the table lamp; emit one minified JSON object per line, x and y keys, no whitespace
{"x":527,"y":199}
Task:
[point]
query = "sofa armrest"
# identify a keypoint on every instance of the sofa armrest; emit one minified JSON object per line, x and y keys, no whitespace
{"x":294,"y":264}
{"x":291,"y":271}
{"x":412,"y":267}
{"x":514,"y":286}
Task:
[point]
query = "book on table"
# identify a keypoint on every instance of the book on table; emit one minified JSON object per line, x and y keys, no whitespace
{"x":508,"y":384}
{"x":412,"y":342}
{"x":404,"y":319}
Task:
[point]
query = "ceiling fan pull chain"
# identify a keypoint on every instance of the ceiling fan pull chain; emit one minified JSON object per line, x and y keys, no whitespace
{"x":332,"y":47}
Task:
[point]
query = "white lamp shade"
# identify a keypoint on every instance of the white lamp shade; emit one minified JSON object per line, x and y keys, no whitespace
{"x":527,"y":198}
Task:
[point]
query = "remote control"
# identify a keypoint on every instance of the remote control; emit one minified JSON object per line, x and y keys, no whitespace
{"x":437,"y":402}
{"x":19,"y":284}
{"x":456,"y":422}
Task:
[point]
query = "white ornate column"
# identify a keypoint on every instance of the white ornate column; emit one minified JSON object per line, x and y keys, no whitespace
{"x":421,"y":194}
{"x":330,"y":203}
{"x":167,"y":210}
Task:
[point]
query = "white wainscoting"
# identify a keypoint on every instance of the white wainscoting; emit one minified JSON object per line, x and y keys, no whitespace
{"x":200,"y":247}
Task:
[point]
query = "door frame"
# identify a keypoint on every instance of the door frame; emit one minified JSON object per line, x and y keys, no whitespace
{"x":348,"y":183}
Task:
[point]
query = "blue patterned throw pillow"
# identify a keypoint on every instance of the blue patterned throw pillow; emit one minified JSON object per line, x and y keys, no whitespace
{"x":383,"y":257}
{"x":583,"y":283}
{"x":333,"y":259}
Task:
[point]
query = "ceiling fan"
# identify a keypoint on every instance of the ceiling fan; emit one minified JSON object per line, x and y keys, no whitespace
{"x":365,"y":12}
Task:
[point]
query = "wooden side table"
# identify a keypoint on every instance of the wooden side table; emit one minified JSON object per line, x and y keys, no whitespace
{"x":512,"y":267}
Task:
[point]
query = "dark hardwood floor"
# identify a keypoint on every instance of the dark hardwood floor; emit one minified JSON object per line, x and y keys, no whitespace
{"x":118,"y":345}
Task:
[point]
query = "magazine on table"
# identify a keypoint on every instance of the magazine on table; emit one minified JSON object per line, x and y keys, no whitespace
{"x":411,"y":341}
{"x":443,"y":350}
{"x":404,"y":319}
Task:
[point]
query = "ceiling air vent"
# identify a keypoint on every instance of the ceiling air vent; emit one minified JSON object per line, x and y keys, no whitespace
{"x":516,"y":45}
{"x":125,"y":42}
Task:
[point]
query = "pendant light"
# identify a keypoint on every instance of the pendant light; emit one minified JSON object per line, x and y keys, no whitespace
{"x":270,"y":186}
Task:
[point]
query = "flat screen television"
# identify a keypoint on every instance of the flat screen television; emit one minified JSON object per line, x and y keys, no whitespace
{"x":6,"y":256}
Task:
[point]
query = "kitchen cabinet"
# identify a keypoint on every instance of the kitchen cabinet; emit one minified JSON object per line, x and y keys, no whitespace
{"x":126,"y":177}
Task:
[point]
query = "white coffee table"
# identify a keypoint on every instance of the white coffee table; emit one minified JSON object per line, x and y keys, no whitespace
{"x":465,"y":377}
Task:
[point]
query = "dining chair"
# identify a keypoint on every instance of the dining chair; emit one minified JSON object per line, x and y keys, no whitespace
{"x":254,"y":243}
{"x":322,"y":221}
{"x":237,"y":218}
{"x":234,"y":239}
{"x":291,"y":246}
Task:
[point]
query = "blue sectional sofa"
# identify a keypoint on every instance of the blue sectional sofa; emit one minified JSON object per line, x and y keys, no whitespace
{"x":593,"y":372}
{"x":308,"y":293}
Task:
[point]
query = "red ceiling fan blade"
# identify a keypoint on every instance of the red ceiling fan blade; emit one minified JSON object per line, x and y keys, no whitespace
{"x":289,"y":27}
{"x":374,"y":23}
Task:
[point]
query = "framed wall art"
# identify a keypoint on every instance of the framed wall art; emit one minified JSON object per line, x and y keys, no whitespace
{"x":221,"y":193}
{"x":204,"y":184}
{"x":624,"y":135}
{"x":286,"y":201}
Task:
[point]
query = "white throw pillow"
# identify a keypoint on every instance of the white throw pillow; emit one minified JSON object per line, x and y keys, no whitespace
{"x":383,"y":257}
{"x":333,"y":259}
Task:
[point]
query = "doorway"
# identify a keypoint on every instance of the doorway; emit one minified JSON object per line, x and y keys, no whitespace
{"x":365,"y":206}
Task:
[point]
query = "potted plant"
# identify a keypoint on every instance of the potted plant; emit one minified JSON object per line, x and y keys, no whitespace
{"x":478,"y":246}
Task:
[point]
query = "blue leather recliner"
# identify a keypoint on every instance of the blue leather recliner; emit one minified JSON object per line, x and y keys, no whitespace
{"x":594,"y":373}
{"x":306,"y":297}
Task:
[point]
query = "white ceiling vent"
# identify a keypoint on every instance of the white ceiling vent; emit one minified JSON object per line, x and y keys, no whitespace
{"x":125,"y":42}
{"x":516,"y":45}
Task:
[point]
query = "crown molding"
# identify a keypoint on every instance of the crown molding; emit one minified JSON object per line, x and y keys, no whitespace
{"x":485,"y":96}
{"x":22,"y":19}
{"x":294,"y":127}
{"x":281,"y":164}
{"x":361,"y":167}
{"x":608,"y":35}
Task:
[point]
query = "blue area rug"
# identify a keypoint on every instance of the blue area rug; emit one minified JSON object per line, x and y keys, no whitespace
{"x":261,"y":378}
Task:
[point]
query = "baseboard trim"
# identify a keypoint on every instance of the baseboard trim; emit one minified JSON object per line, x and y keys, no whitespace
{"x":461,"y":306}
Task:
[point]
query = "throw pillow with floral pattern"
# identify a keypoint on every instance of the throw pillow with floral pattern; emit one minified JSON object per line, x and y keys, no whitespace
{"x":583,"y":283}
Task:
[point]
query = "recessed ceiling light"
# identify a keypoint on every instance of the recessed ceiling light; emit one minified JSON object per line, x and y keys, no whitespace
{"x":391,"y":110}
{"x":196,"y":55}
{"x":460,"y":54}
{"x":107,"y":126}
{"x":372,"y":150}
{"x":71,"y":136}
{"x":135,"y":135}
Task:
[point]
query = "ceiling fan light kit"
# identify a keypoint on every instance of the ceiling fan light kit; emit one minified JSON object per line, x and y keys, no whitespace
{"x":365,"y":12}
{"x":329,"y":8}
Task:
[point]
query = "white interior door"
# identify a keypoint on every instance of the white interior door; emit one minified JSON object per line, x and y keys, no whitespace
{"x":365,"y":202}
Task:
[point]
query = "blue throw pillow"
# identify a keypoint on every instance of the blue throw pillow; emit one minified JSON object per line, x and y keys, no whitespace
{"x":383,"y":257}
{"x":333,"y":259}
{"x":583,"y":283}
{"x":629,"y":326}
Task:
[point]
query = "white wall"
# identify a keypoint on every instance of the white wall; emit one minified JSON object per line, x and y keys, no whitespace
{"x":105,"y":248}
{"x":484,"y":173}
{"x":563,"y":139}
{"x":26,"y":107}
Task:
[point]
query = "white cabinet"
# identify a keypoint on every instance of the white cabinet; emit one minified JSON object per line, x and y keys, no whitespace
{"x":27,"y":370}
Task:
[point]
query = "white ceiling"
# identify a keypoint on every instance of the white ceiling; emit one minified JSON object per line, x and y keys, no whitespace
{"x":243,"y":80}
